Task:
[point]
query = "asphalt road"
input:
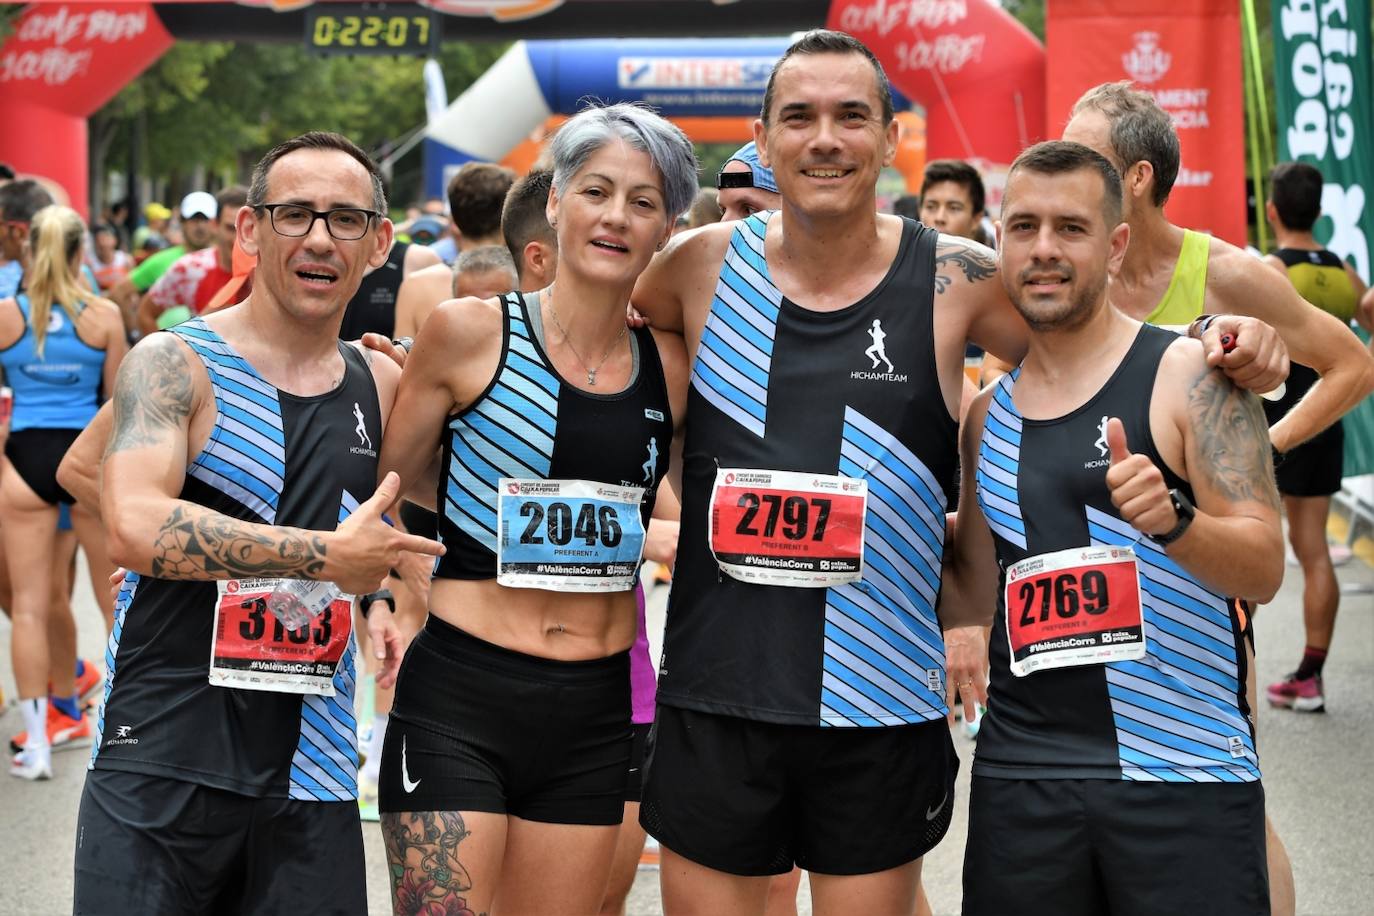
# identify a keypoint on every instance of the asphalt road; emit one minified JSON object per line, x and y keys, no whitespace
{"x":1315,"y":775}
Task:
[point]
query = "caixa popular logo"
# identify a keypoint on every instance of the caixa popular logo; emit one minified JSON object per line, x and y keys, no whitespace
{"x":694,"y":72}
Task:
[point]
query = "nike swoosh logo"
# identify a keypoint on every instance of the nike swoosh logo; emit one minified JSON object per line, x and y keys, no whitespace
{"x":412,"y":786}
{"x":930,"y":812}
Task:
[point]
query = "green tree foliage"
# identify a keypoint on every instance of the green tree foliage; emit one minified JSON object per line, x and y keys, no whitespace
{"x":220,"y":106}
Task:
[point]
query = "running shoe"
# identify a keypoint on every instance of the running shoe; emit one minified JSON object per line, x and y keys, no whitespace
{"x":32,"y":764}
{"x":1299,"y":694}
{"x":63,"y":731}
{"x":367,"y":799}
{"x":88,"y":684}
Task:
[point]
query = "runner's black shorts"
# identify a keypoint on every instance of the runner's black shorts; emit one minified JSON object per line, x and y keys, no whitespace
{"x":35,"y":454}
{"x":634,"y":781}
{"x":476,"y":727}
{"x":1086,"y":847}
{"x":148,"y":844}
{"x":755,"y":798}
{"x":1313,"y":468}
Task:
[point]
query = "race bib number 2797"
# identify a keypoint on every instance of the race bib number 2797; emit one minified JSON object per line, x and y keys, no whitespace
{"x":788,"y":528}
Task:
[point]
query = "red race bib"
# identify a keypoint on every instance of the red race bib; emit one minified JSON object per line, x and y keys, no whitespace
{"x":1074,"y":607}
{"x":252,"y":650}
{"x":788,"y":528}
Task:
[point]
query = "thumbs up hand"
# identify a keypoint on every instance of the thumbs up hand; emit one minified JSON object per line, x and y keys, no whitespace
{"x":1137,"y":486}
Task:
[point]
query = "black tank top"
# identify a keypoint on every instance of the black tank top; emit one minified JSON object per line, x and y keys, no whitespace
{"x":272,"y":458}
{"x":373,"y":307}
{"x":531,"y":424}
{"x":1177,"y":715}
{"x":853,"y":393}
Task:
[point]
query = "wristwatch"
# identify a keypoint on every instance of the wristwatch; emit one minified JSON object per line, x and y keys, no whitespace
{"x":1183,"y":507}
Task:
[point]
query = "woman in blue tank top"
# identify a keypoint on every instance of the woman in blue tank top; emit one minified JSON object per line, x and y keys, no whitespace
{"x":60,"y":348}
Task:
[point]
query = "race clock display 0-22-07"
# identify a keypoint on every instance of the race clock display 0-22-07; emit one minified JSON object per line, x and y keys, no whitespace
{"x":335,"y":28}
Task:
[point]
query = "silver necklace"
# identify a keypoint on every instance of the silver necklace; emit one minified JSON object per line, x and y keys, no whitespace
{"x":590,"y":370}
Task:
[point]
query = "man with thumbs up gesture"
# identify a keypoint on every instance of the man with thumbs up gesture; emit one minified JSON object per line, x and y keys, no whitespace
{"x":1125,"y":505}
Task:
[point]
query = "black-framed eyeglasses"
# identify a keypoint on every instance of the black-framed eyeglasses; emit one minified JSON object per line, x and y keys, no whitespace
{"x":346,"y":224}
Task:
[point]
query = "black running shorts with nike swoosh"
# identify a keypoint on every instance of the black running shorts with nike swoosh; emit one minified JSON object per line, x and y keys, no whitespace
{"x":477,"y":727}
{"x":755,"y":798}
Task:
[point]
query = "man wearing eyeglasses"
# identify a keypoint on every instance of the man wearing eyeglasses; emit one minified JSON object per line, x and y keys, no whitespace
{"x":194,"y":278}
{"x":242,"y":469}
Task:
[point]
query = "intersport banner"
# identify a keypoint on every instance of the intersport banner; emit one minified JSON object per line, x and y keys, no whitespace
{"x":1187,"y":55}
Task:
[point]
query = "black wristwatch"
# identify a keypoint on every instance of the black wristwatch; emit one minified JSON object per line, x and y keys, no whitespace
{"x":365,"y":601}
{"x":1184,"y":508}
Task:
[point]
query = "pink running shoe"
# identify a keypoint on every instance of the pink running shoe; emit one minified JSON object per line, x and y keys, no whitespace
{"x":1298,"y":694}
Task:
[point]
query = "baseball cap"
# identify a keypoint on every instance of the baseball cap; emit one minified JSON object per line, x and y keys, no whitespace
{"x":199,"y":203}
{"x":426,"y":230}
{"x":156,"y":210}
{"x":760,"y":176}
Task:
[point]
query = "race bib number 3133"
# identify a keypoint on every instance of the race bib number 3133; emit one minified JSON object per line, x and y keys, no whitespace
{"x":252,"y":650}
{"x":568,"y":535}
{"x":1074,"y":607}
{"x":788,"y":528}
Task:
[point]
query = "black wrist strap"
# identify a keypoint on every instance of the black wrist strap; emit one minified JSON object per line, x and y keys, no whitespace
{"x":365,"y":601}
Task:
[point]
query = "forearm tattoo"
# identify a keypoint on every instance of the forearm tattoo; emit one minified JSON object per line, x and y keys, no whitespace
{"x":1232,"y":439}
{"x":152,"y":395}
{"x":974,"y":261}
{"x":422,"y":859}
{"x":196,"y":543}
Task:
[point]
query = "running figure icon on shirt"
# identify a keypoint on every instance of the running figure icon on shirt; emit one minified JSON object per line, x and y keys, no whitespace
{"x":652,"y":460}
{"x":363,"y":437}
{"x":878,"y":352}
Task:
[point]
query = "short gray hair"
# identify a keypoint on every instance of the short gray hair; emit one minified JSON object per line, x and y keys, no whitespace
{"x":639,"y":126}
{"x":1141,"y":131}
{"x":485,"y":258}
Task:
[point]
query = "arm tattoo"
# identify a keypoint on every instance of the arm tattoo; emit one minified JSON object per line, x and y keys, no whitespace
{"x":1232,"y":439}
{"x":422,"y":860}
{"x":973,"y":260}
{"x":152,"y":395}
{"x":196,"y":543}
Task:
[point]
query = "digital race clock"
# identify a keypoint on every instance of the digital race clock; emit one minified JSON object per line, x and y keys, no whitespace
{"x":335,"y":28}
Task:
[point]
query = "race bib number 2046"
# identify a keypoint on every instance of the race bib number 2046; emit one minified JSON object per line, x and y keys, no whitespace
{"x":568,"y":535}
{"x":788,"y":528}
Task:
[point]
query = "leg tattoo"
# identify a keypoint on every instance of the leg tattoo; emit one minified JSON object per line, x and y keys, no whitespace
{"x":427,"y":878}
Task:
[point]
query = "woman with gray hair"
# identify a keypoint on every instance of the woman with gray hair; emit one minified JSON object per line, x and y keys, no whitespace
{"x":504,"y":766}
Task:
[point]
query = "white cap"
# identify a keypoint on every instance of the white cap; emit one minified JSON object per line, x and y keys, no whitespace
{"x":199,"y":202}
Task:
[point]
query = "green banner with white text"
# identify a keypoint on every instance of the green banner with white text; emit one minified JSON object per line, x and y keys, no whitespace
{"x":1324,"y":98}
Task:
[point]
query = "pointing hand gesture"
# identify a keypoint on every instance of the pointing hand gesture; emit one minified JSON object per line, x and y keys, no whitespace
{"x":1137,"y":486}
{"x":365,"y":548}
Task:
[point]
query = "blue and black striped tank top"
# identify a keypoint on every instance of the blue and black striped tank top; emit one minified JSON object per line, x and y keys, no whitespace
{"x":854,"y":393}
{"x":272,"y":458}
{"x":532,"y":425}
{"x":1177,"y":715}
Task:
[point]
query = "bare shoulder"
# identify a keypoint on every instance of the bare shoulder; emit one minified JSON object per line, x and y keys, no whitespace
{"x":430,"y":272}
{"x":960,"y":261}
{"x":160,"y":385}
{"x":418,"y":258}
{"x":384,"y":370}
{"x":464,"y":326}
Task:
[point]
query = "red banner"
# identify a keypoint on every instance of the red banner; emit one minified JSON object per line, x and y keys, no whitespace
{"x":979,"y":73}
{"x":1186,"y":55}
{"x":75,"y":57}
